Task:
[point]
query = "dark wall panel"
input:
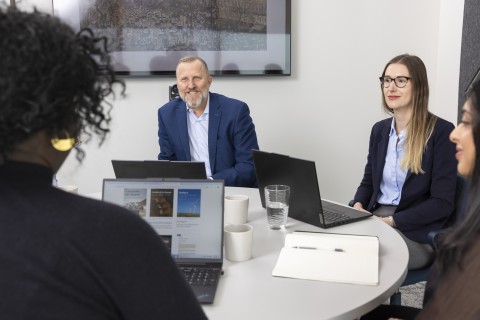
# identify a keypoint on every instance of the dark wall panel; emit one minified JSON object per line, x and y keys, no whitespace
{"x":470,"y":57}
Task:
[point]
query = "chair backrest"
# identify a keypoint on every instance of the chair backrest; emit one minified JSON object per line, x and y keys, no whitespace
{"x":173,"y":92}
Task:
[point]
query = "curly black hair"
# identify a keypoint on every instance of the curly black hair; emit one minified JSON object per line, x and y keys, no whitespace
{"x":51,"y":79}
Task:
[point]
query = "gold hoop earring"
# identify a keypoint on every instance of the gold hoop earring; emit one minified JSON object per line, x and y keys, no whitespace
{"x":64,"y":144}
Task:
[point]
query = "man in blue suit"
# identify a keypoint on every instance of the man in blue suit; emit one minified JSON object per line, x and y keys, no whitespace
{"x":208,"y":127}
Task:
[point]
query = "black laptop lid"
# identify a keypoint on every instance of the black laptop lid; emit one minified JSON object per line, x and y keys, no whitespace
{"x":300,"y":175}
{"x":128,"y":169}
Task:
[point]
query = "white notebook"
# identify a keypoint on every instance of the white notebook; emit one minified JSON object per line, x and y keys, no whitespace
{"x":329,"y":257}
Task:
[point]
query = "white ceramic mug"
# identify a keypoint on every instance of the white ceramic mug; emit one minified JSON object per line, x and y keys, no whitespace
{"x":236,"y":209}
{"x":238,"y":242}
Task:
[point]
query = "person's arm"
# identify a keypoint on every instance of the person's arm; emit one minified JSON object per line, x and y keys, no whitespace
{"x":242,"y":174}
{"x":166,"y":150}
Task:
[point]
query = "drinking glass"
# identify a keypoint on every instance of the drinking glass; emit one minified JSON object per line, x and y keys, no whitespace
{"x":277,"y":198}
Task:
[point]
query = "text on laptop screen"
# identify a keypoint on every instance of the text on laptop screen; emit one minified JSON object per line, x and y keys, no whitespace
{"x":187,"y":214}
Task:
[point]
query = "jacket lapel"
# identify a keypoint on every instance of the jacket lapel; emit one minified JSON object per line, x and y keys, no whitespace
{"x":181,"y":119}
{"x":382,"y":151}
{"x":213,"y":125}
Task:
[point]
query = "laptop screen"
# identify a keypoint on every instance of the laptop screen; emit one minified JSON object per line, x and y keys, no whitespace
{"x":299,"y":174}
{"x":188,"y":214}
{"x":305,"y":201}
{"x":159,"y":169}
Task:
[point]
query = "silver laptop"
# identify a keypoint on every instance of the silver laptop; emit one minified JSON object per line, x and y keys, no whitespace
{"x":188,"y":215}
{"x":306,"y":204}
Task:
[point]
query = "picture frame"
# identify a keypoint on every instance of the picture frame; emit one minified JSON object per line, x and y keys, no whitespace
{"x":148,"y":37}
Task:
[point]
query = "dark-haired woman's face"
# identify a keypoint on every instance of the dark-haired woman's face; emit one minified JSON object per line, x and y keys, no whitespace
{"x":462,"y":136}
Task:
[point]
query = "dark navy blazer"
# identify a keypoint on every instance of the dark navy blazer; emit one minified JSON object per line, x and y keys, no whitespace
{"x":231,"y":138}
{"x":427,"y":199}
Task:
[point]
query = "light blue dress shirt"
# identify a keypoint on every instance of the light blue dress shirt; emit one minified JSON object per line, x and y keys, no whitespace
{"x":393,"y":175}
{"x":198,"y":137}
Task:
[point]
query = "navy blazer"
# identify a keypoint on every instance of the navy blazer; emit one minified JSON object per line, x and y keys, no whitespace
{"x":231,"y":138}
{"x":427,"y":199}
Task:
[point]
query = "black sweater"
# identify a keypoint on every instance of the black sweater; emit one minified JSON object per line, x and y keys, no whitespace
{"x":64,"y":256}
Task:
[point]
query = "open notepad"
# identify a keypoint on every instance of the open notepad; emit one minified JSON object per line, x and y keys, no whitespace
{"x":329,"y":257}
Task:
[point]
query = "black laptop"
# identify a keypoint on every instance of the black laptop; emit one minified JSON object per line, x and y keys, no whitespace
{"x":159,"y":169}
{"x":306,"y":204}
{"x":188,"y":215}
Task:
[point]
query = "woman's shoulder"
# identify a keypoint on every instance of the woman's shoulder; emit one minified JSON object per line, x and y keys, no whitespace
{"x":443,"y":124}
{"x":441,"y":131}
{"x":382,"y":124}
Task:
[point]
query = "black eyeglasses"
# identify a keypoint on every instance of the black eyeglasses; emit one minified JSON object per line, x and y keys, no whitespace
{"x":400,"y":82}
{"x":469,"y":87}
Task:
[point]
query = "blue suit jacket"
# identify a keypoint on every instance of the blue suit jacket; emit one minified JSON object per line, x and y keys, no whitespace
{"x":231,"y":138}
{"x":427,"y":199}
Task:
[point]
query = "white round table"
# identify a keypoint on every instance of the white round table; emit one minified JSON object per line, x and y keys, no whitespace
{"x":247,"y":290}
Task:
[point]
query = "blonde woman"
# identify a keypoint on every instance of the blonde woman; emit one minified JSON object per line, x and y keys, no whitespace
{"x":410,"y":175}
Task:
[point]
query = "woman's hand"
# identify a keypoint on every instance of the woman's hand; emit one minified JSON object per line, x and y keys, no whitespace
{"x":359,"y":207}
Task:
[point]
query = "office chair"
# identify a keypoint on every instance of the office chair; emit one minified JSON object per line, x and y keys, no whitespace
{"x":420,"y":275}
{"x":173,"y":92}
{"x":415,"y":276}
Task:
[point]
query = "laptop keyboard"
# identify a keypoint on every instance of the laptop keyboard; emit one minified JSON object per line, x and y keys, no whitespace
{"x":197,"y":276}
{"x":333,"y":217}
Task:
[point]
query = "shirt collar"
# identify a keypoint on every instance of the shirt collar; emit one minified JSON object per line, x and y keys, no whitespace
{"x":392,"y":130}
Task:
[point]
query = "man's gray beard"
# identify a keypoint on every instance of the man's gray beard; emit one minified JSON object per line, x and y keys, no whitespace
{"x":196,"y":105}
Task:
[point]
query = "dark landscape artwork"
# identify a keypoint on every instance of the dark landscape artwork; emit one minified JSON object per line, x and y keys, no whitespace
{"x":179,"y":25}
{"x":148,"y":37}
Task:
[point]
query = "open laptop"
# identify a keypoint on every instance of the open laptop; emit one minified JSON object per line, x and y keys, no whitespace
{"x":159,"y":169}
{"x":188,"y":215}
{"x":305,"y":201}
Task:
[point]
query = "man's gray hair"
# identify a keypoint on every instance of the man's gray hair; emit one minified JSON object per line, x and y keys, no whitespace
{"x":193,"y":58}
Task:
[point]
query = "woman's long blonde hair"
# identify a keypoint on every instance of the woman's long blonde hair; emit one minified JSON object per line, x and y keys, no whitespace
{"x":421,"y":125}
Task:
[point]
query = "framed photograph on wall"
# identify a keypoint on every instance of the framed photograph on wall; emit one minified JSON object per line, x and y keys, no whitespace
{"x":148,"y":37}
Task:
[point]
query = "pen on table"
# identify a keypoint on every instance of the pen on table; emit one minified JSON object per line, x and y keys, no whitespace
{"x":313,"y":248}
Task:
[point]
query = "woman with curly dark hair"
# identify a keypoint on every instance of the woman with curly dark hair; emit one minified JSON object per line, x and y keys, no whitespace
{"x":63,"y":256}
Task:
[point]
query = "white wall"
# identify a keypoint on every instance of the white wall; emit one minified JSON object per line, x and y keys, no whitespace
{"x":325,"y":110}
